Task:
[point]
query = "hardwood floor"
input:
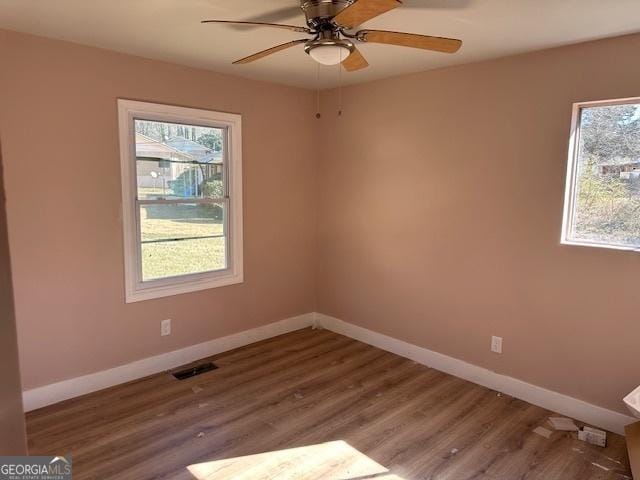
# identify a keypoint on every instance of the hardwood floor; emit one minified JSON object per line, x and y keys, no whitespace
{"x":361,"y":413}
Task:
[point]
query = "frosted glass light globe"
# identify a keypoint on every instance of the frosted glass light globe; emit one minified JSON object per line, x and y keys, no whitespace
{"x":329,"y":54}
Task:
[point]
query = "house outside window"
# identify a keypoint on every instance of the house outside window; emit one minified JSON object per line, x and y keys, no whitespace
{"x":182,"y":199}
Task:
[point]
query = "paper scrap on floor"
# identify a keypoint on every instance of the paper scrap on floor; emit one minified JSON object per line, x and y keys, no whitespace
{"x":593,"y":436}
{"x":563,"y":424}
{"x":543,"y":432}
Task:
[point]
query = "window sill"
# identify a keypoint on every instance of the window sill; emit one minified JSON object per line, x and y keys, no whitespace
{"x":578,"y":243}
{"x":139,"y":293}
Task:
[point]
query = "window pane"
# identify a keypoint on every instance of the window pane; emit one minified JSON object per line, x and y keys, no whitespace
{"x":182,"y":257}
{"x":182,"y":220}
{"x":182,"y":238}
{"x":178,"y":161}
{"x":607,"y":203}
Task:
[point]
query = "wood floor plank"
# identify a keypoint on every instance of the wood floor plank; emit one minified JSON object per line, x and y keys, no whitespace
{"x":248,"y":412}
{"x":270,"y":354}
{"x":129,"y":400}
{"x":238,"y":434}
{"x":328,"y":405}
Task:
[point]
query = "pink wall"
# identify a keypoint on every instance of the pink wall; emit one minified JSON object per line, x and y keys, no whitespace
{"x":440,"y":212}
{"x":12,"y":434}
{"x":60,"y":138}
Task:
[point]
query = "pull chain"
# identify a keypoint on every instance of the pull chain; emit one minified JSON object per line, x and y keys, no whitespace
{"x":340,"y":85}
{"x":318,"y":92}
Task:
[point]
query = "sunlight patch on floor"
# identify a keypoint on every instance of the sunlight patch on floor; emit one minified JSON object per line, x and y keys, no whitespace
{"x":327,"y":461}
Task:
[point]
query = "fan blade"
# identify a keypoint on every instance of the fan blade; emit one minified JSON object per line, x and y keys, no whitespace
{"x":355,"y":61}
{"x":279,"y":15}
{"x":268,"y":51}
{"x":438,"y":44}
{"x":293,"y":28}
{"x":363,"y":10}
{"x":436,"y":4}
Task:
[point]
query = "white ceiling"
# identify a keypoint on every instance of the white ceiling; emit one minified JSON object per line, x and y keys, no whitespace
{"x":170,"y":30}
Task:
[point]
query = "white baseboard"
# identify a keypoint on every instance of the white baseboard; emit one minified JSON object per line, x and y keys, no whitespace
{"x":74,"y":387}
{"x":557,"y":402}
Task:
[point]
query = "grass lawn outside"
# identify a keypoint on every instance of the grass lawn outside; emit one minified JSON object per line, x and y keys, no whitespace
{"x":181,"y":257}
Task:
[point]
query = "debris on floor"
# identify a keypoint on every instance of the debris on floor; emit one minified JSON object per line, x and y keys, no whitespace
{"x":593,"y":436}
{"x":197,"y":389}
{"x":200,"y":435}
{"x":600,"y":466}
{"x":543,"y":432}
{"x":612,"y":460}
{"x":452,"y":453}
{"x":499,"y":394}
{"x":563,"y":424}
{"x":298,"y":396}
{"x":202,"y":405}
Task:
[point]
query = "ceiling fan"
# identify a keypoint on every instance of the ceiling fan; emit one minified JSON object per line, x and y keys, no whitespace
{"x":331,"y":23}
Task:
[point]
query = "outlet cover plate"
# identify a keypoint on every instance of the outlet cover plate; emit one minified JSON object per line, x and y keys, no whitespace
{"x":496,"y":344}
{"x":165,"y":327}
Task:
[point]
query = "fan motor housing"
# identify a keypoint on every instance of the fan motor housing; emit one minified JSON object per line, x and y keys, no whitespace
{"x":338,"y":42}
{"x":320,"y":11}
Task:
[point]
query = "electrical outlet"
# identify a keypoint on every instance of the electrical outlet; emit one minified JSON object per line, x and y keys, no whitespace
{"x":165,"y":327}
{"x":496,"y":344}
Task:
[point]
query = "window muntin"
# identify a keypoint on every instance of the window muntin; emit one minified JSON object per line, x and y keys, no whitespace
{"x":602,"y":204}
{"x":181,"y":199}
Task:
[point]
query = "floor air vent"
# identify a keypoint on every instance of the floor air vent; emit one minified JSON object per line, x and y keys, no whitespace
{"x":193,"y":371}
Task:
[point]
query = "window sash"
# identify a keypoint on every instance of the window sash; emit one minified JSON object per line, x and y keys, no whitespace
{"x":571,"y":181}
{"x":226,"y":205}
{"x":183,"y":201}
{"x":225,"y":201}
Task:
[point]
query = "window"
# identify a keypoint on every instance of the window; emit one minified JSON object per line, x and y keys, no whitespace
{"x":182,"y":199}
{"x":602,"y":201}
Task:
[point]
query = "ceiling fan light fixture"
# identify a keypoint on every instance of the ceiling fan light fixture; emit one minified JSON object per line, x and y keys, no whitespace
{"x":329,"y":52}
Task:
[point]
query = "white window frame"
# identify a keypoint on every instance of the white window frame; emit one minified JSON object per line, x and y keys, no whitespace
{"x":572,"y":176}
{"x":135,"y":289}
